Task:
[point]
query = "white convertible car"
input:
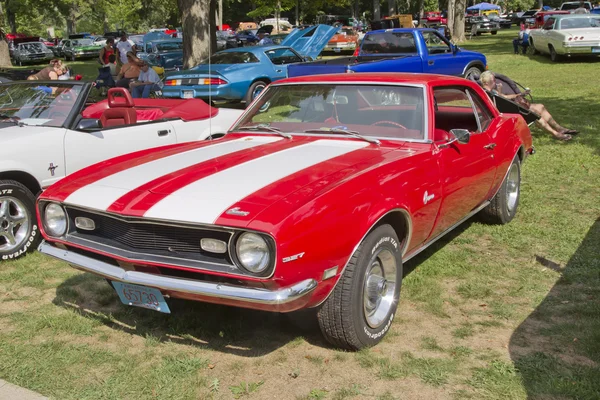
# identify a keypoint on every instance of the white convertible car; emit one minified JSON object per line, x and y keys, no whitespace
{"x":47,"y":131}
{"x":567,"y":35}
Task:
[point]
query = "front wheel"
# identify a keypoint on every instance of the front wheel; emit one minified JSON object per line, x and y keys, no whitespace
{"x":472,"y":73}
{"x":503,"y":207}
{"x":494,"y":32}
{"x":19,"y":231}
{"x":361,"y":308}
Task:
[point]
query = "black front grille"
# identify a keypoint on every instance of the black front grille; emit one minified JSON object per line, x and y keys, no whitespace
{"x":138,"y":236}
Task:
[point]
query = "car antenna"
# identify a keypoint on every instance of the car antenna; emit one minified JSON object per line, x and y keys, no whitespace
{"x":209,"y":85}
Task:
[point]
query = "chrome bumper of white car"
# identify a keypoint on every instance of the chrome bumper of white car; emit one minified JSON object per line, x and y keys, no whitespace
{"x":274,"y":300}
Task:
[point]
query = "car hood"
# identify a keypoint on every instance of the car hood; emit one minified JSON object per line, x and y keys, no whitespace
{"x":84,"y":48}
{"x":310,"y":41}
{"x":226,"y":182}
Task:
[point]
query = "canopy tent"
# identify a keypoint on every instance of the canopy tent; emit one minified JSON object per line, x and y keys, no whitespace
{"x":483,"y":7}
{"x":547,"y":8}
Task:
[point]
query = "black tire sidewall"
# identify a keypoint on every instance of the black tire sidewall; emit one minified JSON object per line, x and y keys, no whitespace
{"x":33,"y":235}
{"x":383,"y":237}
{"x":251,"y":89}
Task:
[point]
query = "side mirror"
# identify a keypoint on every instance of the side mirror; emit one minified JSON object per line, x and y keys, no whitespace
{"x":461,"y":136}
{"x":455,"y":49}
{"x":88,"y":124}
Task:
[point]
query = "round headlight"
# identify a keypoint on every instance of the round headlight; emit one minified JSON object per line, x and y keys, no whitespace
{"x":55,"y":220}
{"x":253,"y":252}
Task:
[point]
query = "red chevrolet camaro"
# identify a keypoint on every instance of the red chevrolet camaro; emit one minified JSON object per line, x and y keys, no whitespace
{"x":314,"y":199}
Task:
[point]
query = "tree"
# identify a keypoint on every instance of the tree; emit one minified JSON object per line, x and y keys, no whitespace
{"x":199,"y":29}
{"x":458,"y":28}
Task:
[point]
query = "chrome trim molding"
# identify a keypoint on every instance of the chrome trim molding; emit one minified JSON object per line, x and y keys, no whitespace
{"x":210,"y":289}
{"x":435,"y":239}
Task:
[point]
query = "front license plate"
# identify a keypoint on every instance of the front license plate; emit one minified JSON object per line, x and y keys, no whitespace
{"x":188,"y":94}
{"x":337,"y":49}
{"x":596,"y":49}
{"x":141,"y":296}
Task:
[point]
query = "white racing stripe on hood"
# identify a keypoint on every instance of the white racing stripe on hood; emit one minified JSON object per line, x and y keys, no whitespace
{"x":206,"y":199}
{"x":102,"y":193}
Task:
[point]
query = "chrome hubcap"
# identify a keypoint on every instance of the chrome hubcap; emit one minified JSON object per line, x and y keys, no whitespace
{"x":512,"y":188}
{"x":14,"y":223}
{"x":257,"y":91}
{"x":379,"y":289}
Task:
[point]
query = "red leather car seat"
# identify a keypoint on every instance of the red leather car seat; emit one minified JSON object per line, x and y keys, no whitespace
{"x":120,"y":111}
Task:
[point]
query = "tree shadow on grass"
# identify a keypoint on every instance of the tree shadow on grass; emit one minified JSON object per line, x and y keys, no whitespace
{"x":557,"y":348}
{"x":232,"y":330}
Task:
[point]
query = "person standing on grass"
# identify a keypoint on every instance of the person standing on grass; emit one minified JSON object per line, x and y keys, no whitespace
{"x":125,"y":46}
{"x":106,"y":51}
{"x":147,"y":81}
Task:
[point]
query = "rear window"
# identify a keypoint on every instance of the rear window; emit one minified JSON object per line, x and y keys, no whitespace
{"x":238,"y":57}
{"x":577,"y":23}
{"x":389,"y":43}
{"x":573,"y":6}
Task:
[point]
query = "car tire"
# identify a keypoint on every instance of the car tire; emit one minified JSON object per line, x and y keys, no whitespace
{"x":17,"y":220}
{"x":478,"y":33}
{"x":553,"y":54}
{"x":472,"y":71}
{"x":503,"y":207}
{"x":494,"y":32}
{"x":254,"y":91}
{"x":361,"y":308}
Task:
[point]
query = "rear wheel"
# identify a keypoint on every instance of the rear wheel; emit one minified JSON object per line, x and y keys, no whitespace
{"x":494,"y":32}
{"x":503,"y":207}
{"x":360,"y":310}
{"x":553,"y":54}
{"x":255,"y":89}
{"x":19,"y":232}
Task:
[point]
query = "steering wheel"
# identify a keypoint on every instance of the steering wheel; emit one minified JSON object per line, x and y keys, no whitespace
{"x":390,"y":123}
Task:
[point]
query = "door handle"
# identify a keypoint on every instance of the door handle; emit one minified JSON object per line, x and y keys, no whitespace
{"x":163,"y":132}
{"x":430,"y":62}
{"x":278,"y":70}
{"x":489,"y":146}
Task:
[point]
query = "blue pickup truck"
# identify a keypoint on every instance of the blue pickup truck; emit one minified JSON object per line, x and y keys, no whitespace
{"x":400,"y":50}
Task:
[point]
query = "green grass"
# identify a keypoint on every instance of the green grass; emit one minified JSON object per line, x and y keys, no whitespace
{"x":490,"y":312}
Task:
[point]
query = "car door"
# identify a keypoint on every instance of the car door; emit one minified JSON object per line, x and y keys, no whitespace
{"x":440,"y":58}
{"x":280,"y":59}
{"x":85,"y":148}
{"x":468,"y":170}
{"x":545,"y":34}
{"x":66,"y":48}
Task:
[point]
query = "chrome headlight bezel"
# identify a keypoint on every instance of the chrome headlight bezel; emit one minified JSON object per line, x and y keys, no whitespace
{"x":58,"y":226}
{"x":262,"y":265}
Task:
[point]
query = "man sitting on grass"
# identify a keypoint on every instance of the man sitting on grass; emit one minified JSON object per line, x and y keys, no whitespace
{"x":146,"y":82}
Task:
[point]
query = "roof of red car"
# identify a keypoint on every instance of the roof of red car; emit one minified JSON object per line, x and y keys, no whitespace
{"x":391,"y":77}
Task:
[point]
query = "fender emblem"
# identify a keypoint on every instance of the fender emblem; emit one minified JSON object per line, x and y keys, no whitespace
{"x":427,"y":197}
{"x":51,"y":168}
{"x":237,"y":211}
{"x":293,"y":258}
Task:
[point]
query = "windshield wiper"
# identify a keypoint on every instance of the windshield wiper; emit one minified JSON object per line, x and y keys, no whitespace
{"x":265,"y":127}
{"x":337,"y":129}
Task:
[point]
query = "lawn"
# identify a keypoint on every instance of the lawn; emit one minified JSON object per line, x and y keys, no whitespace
{"x":510,"y":312}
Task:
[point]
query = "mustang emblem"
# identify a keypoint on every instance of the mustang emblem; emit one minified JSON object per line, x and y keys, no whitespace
{"x":51,"y":168}
{"x":237,"y":211}
{"x":427,"y":197}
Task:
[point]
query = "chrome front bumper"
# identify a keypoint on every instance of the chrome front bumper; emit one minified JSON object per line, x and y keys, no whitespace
{"x":285,"y":299}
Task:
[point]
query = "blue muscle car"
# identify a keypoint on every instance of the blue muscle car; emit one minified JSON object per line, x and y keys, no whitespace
{"x":242,"y":73}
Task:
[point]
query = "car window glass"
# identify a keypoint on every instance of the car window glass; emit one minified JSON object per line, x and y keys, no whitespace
{"x":283,"y":56}
{"x":578,"y":23}
{"x":484,"y":115}
{"x":454,"y":110}
{"x":234,"y":57}
{"x":389,"y":43}
{"x":169,"y":46}
{"x":548,"y":24}
{"x":372,"y":110}
{"x":435,"y":44}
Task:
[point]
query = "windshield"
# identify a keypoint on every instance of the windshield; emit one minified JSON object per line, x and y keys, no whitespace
{"x":573,"y":6}
{"x":577,"y":23}
{"x":370,"y":110}
{"x":166,"y":46}
{"x":529,"y":13}
{"x":38,"y":104}
{"x":237,"y":57}
{"x":35,"y":47}
{"x":83,"y":42}
{"x":389,"y":43}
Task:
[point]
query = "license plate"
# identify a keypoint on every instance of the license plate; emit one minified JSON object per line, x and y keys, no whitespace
{"x":596,"y":49}
{"x":188,"y":94}
{"x":337,"y":49}
{"x":141,"y":296}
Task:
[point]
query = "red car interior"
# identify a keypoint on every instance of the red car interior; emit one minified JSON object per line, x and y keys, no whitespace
{"x":121,"y":109}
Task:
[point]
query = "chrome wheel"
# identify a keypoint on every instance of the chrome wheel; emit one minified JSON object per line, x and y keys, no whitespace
{"x":512,"y":188}
{"x":379,"y":289}
{"x":257,"y":90}
{"x":14,"y":223}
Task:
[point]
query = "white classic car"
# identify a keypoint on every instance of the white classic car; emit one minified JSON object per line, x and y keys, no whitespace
{"x":47,"y":131}
{"x":567,"y":35}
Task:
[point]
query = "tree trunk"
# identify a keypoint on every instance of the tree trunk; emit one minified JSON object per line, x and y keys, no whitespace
{"x":458,"y":33}
{"x":297,"y":7}
{"x":376,"y":10}
{"x":12,"y":20}
{"x":451,"y":5}
{"x":392,"y":8}
{"x":199,"y":34}
{"x":421,"y":10}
